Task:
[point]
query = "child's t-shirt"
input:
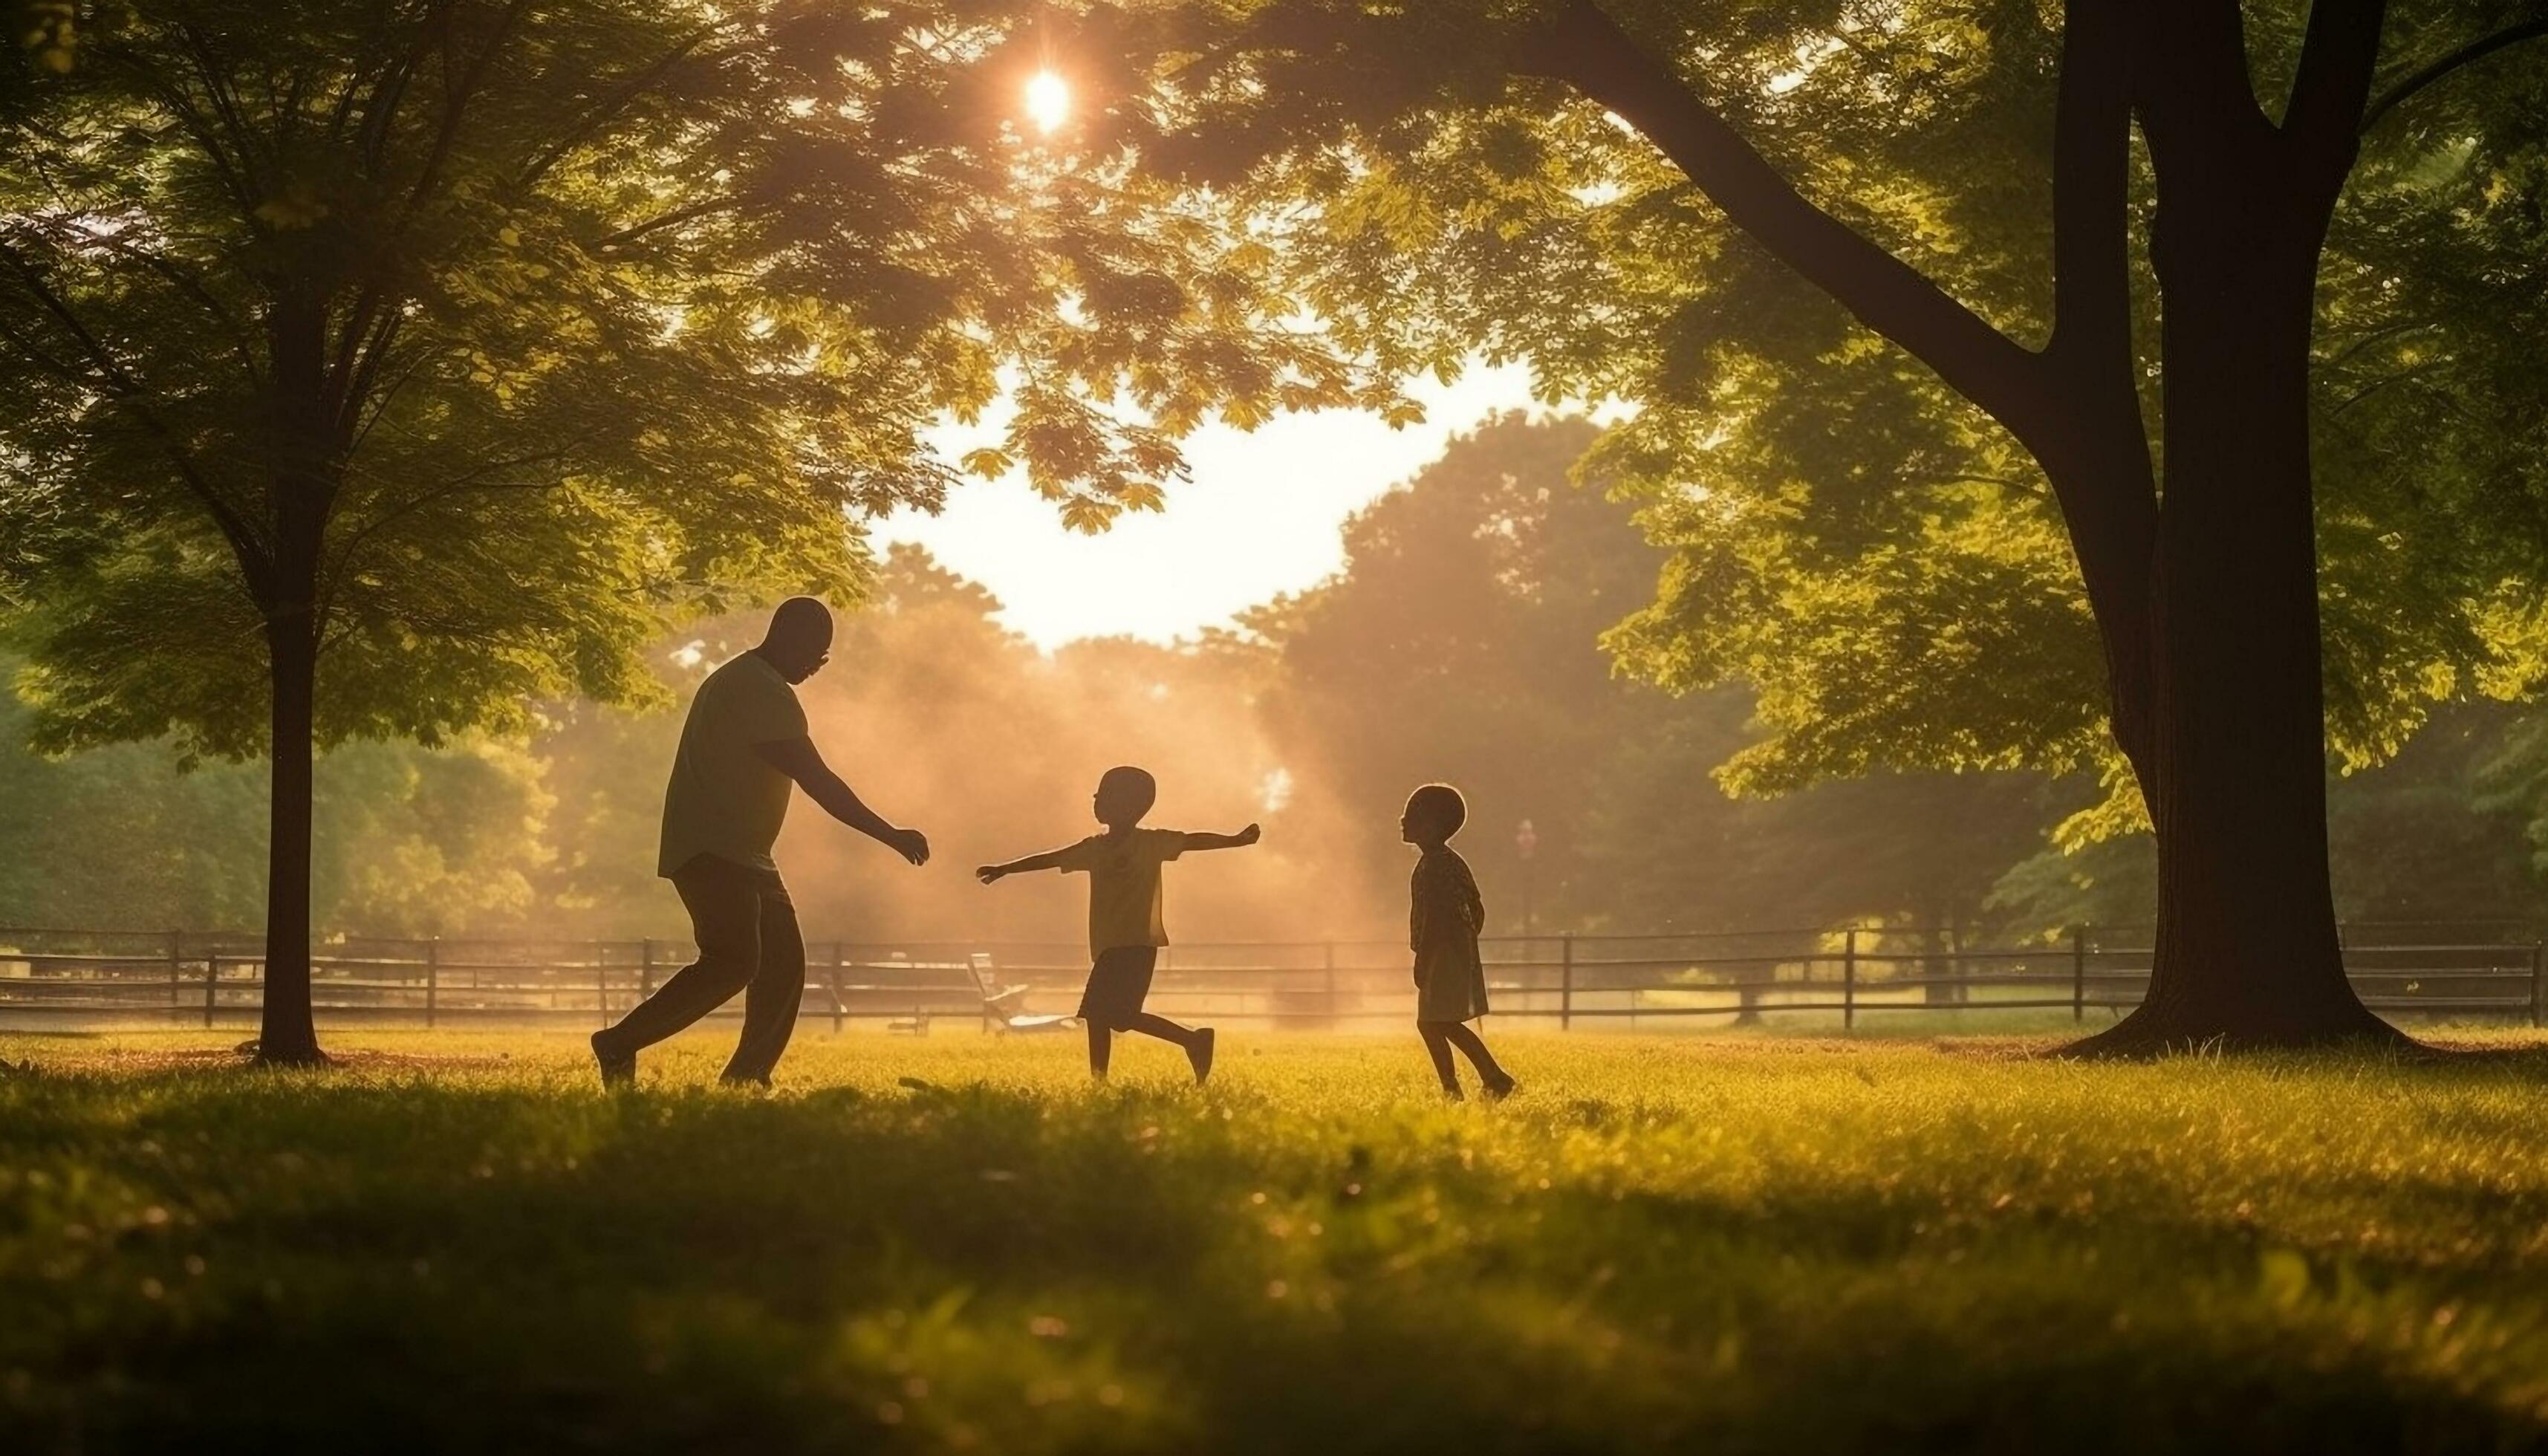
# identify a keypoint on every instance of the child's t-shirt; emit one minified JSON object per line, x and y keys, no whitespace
{"x":1125,"y":904}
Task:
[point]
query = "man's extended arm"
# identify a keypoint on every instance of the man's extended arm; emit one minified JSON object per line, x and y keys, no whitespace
{"x":1240,"y":841}
{"x":798,"y":759}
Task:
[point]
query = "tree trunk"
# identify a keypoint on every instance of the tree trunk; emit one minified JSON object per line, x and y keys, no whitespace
{"x":307,"y":457}
{"x":2246,"y":953}
{"x":287,"y":1033}
{"x":1937,"y":960}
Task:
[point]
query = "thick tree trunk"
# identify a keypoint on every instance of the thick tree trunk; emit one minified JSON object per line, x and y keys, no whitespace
{"x":2246,"y":950}
{"x":287,"y":1032}
{"x":2209,"y":607}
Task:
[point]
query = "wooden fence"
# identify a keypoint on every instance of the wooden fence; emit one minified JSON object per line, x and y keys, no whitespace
{"x":1832,"y":978}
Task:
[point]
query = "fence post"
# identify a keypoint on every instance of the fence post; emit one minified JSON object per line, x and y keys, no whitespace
{"x":433,"y":976}
{"x":176,"y":962}
{"x":2078,"y":973}
{"x":835,"y":987}
{"x":2537,"y":1004}
{"x":212,"y":982}
{"x":1849,"y":983}
{"x":646,"y":965}
{"x":1328,"y":952}
{"x":1566,"y":981}
{"x":601,"y":986}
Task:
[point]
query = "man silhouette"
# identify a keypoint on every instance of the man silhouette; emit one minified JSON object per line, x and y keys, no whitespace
{"x":743,"y":746}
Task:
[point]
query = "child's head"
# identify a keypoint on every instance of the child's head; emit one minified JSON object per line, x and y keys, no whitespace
{"x":1433,"y":814}
{"x":1124,"y":795}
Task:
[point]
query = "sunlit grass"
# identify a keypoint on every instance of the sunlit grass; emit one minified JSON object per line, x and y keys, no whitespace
{"x":457,"y":1240}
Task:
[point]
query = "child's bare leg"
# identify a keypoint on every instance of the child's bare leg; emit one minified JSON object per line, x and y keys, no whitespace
{"x":1471,"y":1045}
{"x":1101,"y":1045}
{"x":1197,"y":1041}
{"x":1151,"y":1024}
{"x":1437,"y":1044}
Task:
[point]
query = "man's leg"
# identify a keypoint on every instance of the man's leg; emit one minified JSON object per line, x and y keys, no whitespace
{"x":725,"y":921}
{"x":777,"y":988}
{"x":1101,"y":1048}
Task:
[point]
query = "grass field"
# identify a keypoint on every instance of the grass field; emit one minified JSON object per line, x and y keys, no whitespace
{"x":1707,"y":1244}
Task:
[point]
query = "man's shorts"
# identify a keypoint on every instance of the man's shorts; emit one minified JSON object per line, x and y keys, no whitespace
{"x":1117,"y":984}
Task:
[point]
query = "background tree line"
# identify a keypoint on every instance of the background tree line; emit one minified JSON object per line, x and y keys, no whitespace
{"x":1463,"y":639}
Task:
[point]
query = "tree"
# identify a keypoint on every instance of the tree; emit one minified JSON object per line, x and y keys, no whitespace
{"x":1618,"y":191}
{"x":1462,"y":641}
{"x":421,"y":358}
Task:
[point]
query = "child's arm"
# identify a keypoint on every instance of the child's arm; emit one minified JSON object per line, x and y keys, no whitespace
{"x":1049,"y":860}
{"x":1240,"y":841}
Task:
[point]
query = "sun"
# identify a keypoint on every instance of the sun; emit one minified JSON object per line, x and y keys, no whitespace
{"x":1047,"y":100}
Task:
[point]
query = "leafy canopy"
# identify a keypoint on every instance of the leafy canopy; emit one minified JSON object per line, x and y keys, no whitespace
{"x":558,"y":317}
{"x":1877,"y":557}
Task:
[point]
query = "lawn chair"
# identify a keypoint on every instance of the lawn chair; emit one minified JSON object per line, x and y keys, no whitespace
{"x":1004,"y":1008}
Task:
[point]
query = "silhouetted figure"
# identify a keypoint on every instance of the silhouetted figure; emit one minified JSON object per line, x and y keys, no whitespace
{"x":743,"y":746}
{"x":1443,"y":918}
{"x":1127,"y":913}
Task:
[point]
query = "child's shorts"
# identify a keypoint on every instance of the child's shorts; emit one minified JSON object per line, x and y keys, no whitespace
{"x":1117,"y":984}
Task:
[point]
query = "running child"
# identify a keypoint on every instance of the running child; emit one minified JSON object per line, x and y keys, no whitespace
{"x":1127,"y":920}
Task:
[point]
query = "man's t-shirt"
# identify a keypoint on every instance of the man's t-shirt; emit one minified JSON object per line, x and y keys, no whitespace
{"x":1125,"y":906}
{"x":724,"y":799}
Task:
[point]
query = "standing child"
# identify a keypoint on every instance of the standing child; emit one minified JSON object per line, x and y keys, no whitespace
{"x":1444,"y":916}
{"x":1127,"y":919}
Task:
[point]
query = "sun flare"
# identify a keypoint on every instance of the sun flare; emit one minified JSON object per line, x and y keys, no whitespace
{"x":1047,"y":100}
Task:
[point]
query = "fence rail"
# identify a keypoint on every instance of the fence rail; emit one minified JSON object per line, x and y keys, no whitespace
{"x":1830,"y":977}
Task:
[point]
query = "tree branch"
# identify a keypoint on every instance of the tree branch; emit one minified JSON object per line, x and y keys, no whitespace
{"x":1584,"y":48}
{"x":187,"y":283}
{"x":378,"y":403}
{"x":2426,"y":75}
{"x":349,"y":548}
{"x":35,"y":353}
{"x":672,"y":219}
{"x":613,"y":102}
{"x":224,"y":106}
{"x":2190,"y":81}
{"x":120,"y":384}
{"x":2092,"y":324}
{"x":2334,"y":78}
{"x":2411,"y":371}
{"x":381,"y":107}
{"x":2097,"y":456}
{"x":233,"y":179}
{"x":455,"y":103}
{"x":367,"y":368}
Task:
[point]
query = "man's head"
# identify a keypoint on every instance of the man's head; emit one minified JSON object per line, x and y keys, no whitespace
{"x":799,"y":639}
{"x":1124,"y":795}
{"x":1433,"y":814}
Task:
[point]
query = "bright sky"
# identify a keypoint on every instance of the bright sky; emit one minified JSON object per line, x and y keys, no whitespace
{"x":1259,"y":517}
